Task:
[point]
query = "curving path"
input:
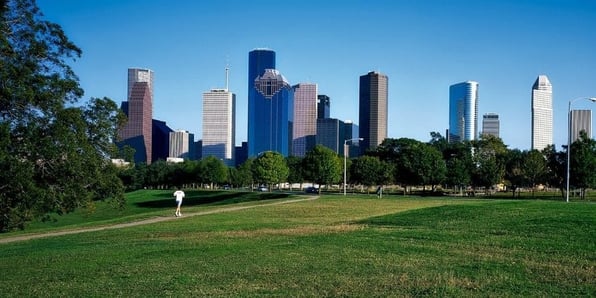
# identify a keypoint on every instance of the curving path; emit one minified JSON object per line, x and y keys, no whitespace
{"x":144,"y":222}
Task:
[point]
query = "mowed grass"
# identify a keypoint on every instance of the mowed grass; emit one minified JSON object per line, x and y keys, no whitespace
{"x":333,"y":246}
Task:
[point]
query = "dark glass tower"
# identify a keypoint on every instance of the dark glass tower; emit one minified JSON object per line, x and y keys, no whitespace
{"x":270,"y":105}
{"x":323,"y":106}
{"x":373,"y":109}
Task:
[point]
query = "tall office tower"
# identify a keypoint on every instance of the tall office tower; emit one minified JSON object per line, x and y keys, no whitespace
{"x":351,"y":133}
{"x":373,"y":109}
{"x":542,"y":113}
{"x":219,"y":133}
{"x":580,"y":120}
{"x":323,"y":106}
{"x":305,"y":118}
{"x":270,"y":106}
{"x":331,"y":134}
{"x":463,"y":111}
{"x":140,"y":113}
{"x":181,"y":144}
{"x":490,"y":124}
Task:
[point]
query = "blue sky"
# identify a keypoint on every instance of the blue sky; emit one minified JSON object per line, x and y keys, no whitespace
{"x":423,"y":47}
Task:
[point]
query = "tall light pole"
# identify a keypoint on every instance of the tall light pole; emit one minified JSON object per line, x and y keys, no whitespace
{"x":345,"y":158}
{"x":593,"y":99}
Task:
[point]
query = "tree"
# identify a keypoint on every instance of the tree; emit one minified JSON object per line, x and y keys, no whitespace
{"x":54,"y":153}
{"x":489,"y":160}
{"x":583,"y":163}
{"x":270,"y":168}
{"x":296,"y":174}
{"x":322,"y":166}
{"x":215,"y":172}
{"x":514,"y":170}
{"x":458,"y":159}
{"x":243,"y":174}
{"x":556,"y":162}
{"x":534,"y":168}
{"x":370,"y":170}
{"x":416,"y":163}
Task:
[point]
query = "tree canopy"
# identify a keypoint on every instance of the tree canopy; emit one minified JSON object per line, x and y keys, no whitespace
{"x":54,"y":151}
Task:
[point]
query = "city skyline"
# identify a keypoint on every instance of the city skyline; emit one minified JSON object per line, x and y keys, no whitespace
{"x":503,"y":45}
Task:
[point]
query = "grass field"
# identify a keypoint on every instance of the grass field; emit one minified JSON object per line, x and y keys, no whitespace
{"x":334,"y":246}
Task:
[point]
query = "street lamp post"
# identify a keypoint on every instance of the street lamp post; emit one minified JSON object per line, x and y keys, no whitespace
{"x":345,"y":158}
{"x":593,"y":99}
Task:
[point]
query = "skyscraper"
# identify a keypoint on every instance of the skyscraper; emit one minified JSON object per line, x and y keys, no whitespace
{"x":181,"y":144}
{"x":373,"y":109}
{"x":580,"y":120}
{"x":140,"y":114}
{"x":270,"y":105}
{"x":463,"y":111}
{"x":305,"y":118}
{"x":219,"y":132}
{"x":490,"y":124}
{"x":323,"y":106}
{"x":542,"y":113}
{"x":331,"y":134}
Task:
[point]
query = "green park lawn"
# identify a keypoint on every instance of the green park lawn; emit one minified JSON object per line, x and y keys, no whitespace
{"x":333,"y":246}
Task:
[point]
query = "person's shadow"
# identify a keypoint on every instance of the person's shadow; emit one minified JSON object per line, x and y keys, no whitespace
{"x":196,"y":198}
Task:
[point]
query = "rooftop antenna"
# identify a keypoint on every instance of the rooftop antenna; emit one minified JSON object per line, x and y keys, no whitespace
{"x":227,"y":74}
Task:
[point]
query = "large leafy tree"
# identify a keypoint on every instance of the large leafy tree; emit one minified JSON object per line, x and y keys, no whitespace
{"x":54,"y":153}
{"x":270,"y":168}
{"x":322,"y":166}
{"x":416,"y":163}
{"x":490,"y":156}
{"x":215,"y":172}
{"x":534,"y":168}
{"x":370,"y":170}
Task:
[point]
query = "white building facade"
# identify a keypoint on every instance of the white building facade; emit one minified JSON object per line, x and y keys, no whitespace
{"x":219,"y":133}
{"x":542,"y":113}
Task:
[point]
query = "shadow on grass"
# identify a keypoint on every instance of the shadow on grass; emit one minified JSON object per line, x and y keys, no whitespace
{"x":197,"y":198}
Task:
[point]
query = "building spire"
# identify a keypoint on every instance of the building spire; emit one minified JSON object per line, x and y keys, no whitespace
{"x":227,"y":76}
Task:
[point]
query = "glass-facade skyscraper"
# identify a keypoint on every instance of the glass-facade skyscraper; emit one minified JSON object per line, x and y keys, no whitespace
{"x":305,"y":118}
{"x":323,"y":106}
{"x":373,"y":109}
{"x":270,"y":106}
{"x":463,"y":111}
{"x":542,"y":113}
{"x":137,"y":132}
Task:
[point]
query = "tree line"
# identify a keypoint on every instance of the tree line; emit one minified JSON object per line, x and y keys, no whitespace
{"x":469,"y":167}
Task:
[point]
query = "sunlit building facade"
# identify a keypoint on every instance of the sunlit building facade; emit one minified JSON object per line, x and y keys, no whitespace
{"x":137,"y":132}
{"x":305,"y":118}
{"x":463,"y":111}
{"x":491,"y":124}
{"x":542,"y":113}
{"x":373,"y":96}
{"x":270,"y":106}
{"x":219,"y":133}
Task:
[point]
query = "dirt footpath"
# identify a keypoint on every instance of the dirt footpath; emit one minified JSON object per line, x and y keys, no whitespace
{"x":144,"y":222}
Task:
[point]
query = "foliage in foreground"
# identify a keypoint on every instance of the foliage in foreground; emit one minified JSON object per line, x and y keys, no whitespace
{"x":328,"y":247}
{"x":53,"y":154}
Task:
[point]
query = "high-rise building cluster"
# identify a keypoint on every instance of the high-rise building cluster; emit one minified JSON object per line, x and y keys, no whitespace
{"x":292,"y":119}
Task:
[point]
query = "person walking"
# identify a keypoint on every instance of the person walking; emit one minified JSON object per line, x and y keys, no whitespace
{"x":179,"y":194}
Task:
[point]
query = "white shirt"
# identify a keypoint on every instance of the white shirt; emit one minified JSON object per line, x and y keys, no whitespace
{"x":179,"y":195}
